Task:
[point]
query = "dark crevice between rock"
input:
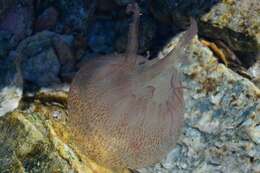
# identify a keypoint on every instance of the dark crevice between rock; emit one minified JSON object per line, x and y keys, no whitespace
{"x":244,"y":47}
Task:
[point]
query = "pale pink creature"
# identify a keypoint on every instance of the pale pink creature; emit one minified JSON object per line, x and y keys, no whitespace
{"x":126,"y":114}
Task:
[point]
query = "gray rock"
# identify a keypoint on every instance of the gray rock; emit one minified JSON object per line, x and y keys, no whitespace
{"x":102,"y":36}
{"x":123,"y":2}
{"x":11,"y":84}
{"x":66,"y":58}
{"x":43,"y":69}
{"x":221,"y":132}
{"x":45,"y":57}
{"x":73,"y":14}
{"x":235,"y":22}
{"x":10,"y":97}
{"x":254,"y":70}
{"x":106,"y":5}
{"x":5,"y":45}
{"x":176,"y":11}
{"x":39,"y":63}
{"x":18,"y":21}
{"x":5,"y":5}
{"x":30,"y":141}
{"x":47,"y":20}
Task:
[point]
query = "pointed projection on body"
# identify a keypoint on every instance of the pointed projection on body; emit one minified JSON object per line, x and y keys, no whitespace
{"x":123,"y":114}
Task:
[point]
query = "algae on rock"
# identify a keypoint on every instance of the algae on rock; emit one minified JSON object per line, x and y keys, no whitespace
{"x":29,"y":143}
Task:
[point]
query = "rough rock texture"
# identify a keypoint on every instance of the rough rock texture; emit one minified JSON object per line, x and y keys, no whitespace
{"x":123,"y":2}
{"x":17,"y":20}
{"x":254,"y":70}
{"x":175,"y":11}
{"x":11,"y":84}
{"x":5,"y":44}
{"x":39,"y":58}
{"x":29,"y":143}
{"x":47,"y":19}
{"x":222,"y":120}
{"x":73,"y":14}
{"x":4,"y":5}
{"x":46,"y":55}
{"x":221,"y":131}
{"x":101,"y":38}
{"x":237,"y":22}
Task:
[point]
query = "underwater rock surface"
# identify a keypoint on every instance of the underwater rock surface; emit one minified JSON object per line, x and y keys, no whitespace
{"x":221,"y":133}
{"x":222,"y":118}
{"x":47,"y":56}
{"x":29,"y":144}
{"x":236,"y":22}
{"x":17,"y":20}
{"x":11,"y":84}
{"x":221,"y":127}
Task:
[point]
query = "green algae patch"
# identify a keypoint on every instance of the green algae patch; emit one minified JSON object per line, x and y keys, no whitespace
{"x":34,"y":140}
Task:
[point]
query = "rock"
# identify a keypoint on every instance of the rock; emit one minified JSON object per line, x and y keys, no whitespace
{"x":176,"y":11}
{"x":107,"y":34}
{"x":221,"y":131}
{"x":45,"y":57}
{"x":43,"y":69}
{"x":5,"y":45}
{"x":31,"y":142}
{"x":66,"y":58}
{"x":55,"y":94}
{"x":34,"y":146}
{"x":123,"y":2}
{"x":147,"y":33}
{"x":39,"y":64}
{"x":254,"y":71}
{"x":106,"y":5}
{"x":164,"y":15}
{"x":17,"y":21}
{"x":72,"y":14}
{"x":102,"y":36}
{"x":5,"y":5}
{"x":47,"y":19}
{"x":11,"y":85}
{"x":235,"y":22}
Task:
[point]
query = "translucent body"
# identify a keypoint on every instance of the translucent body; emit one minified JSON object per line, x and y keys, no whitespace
{"x":124,"y":114}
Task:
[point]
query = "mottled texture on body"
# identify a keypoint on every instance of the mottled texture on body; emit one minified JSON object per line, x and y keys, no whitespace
{"x":126,"y":114}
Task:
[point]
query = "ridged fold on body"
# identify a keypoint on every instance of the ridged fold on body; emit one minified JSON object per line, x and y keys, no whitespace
{"x":122,"y":117}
